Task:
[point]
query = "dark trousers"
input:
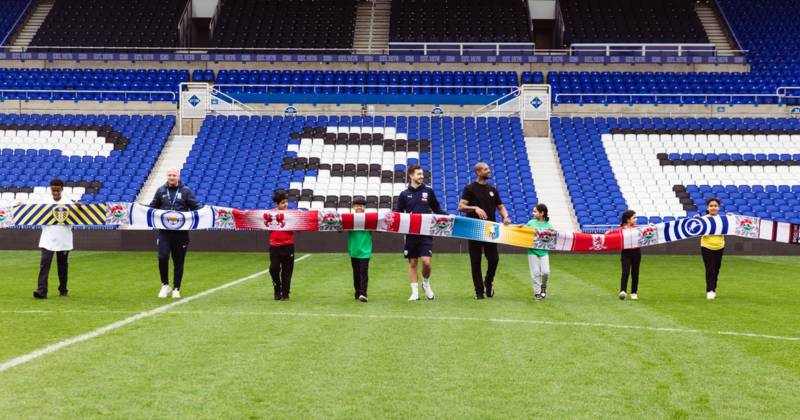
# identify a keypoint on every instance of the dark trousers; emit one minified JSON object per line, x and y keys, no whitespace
{"x":44,"y":270}
{"x":476,"y":248}
{"x":281,"y":265}
{"x":630,"y":266}
{"x":713,"y":262}
{"x":360,"y":275}
{"x":174,"y":243}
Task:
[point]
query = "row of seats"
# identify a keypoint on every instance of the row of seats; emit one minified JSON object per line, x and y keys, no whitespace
{"x":459,"y":21}
{"x":608,"y":171}
{"x":131,"y":145}
{"x":111,"y":23}
{"x":303,"y":26}
{"x":631,"y":21}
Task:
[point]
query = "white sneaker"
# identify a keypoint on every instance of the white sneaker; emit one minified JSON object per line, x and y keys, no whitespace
{"x":428,"y":291}
{"x":622,"y":295}
{"x":634,"y":296}
{"x":165,"y":289}
{"x":711,"y":295}
{"x":176,"y":294}
{"x":414,"y":296}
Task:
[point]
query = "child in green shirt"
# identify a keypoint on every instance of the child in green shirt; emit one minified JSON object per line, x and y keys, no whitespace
{"x":359,"y":246}
{"x":538,"y":260}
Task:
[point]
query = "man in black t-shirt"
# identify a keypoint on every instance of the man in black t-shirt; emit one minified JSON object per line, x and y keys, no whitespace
{"x":481,"y":200}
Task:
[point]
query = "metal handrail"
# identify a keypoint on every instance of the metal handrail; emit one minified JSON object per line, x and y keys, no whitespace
{"x":76,"y":92}
{"x":363,"y":88}
{"x":692,"y":95}
{"x":782,"y":91}
{"x":496,"y":102}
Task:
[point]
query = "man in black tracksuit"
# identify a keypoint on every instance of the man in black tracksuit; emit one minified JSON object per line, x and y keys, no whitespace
{"x":173,"y":196}
{"x":418,"y":198}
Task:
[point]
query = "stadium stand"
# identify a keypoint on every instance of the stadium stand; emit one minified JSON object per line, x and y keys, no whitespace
{"x":666,"y":168}
{"x":111,"y":23}
{"x":767,"y":32}
{"x":366,"y":81}
{"x":33,"y":81}
{"x":100,"y":157}
{"x":459,"y":21}
{"x":11,"y":12}
{"x":325,"y":161}
{"x":299,"y":25}
{"x":631,"y":21}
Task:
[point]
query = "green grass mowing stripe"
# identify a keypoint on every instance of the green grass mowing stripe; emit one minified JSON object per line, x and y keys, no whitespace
{"x":121,"y":323}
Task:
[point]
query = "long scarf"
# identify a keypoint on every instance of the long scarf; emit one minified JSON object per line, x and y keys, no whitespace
{"x":211,"y":217}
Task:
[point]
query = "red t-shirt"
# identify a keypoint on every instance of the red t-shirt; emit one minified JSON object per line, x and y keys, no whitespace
{"x":281,"y":238}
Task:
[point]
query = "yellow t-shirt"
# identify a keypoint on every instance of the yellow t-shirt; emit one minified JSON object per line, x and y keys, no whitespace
{"x":713,"y":242}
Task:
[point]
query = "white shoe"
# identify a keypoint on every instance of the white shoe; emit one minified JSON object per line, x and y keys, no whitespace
{"x":165,"y":289}
{"x":176,"y":294}
{"x":634,"y":296}
{"x":414,"y":296}
{"x":622,"y":295}
{"x":711,"y":295}
{"x":428,"y":291}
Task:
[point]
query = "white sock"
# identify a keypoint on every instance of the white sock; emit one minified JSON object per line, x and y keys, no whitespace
{"x":426,"y":281}
{"x":414,"y":288}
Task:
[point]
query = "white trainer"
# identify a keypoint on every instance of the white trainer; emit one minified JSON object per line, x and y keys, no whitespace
{"x":622,"y":295}
{"x":426,"y":286}
{"x":711,"y":295}
{"x":414,"y":296}
{"x":634,"y":296}
{"x":176,"y":294}
{"x":164,"y":292}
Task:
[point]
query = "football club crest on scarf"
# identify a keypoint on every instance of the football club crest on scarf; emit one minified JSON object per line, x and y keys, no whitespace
{"x":5,"y":218}
{"x":441,"y":226}
{"x":329,"y":221}
{"x":60,"y":214}
{"x":545,"y":239}
{"x":2,"y":215}
{"x":173,"y":220}
{"x":647,"y":236}
{"x":493,"y":231}
{"x":117,"y":213}
{"x":275,"y":220}
{"x":598,"y":242}
{"x":747,"y":226}
{"x":223,"y":218}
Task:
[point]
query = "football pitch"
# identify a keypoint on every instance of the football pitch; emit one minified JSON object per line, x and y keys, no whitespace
{"x":228,"y":350}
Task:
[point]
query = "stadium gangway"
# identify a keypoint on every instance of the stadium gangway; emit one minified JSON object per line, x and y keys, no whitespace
{"x":645,"y":50}
{"x":91,"y":95}
{"x":463,"y":48}
{"x":681,"y":96}
{"x":16,"y":23}
{"x":232,"y":89}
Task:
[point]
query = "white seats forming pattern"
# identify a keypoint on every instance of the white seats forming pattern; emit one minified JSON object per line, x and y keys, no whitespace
{"x":39,"y":194}
{"x":71,"y":143}
{"x":646,"y":185}
{"x":324,"y":184}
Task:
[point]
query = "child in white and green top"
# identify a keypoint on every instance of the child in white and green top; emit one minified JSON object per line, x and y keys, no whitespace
{"x":538,"y":260}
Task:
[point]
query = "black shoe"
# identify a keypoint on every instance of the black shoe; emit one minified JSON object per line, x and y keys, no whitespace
{"x":478,"y":297}
{"x":363,"y":298}
{"x":538,"y":296}
{"x":38,"y":295}
{"x":490,"y":290}
{"x":285,"y":297}
{"x":62,"y":294}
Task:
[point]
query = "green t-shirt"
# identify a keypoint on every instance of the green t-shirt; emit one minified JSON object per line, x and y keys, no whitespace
{"x":538,"y":225}
{"x":359,"y":244}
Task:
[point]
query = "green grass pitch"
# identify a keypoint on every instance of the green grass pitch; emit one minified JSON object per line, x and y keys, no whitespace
{"x":236,"y":353}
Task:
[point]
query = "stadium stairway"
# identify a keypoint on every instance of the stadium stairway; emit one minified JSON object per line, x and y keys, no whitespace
{"x":550,"y":186}
{"x":174,"y":155}
{"x":372,"y":27}
{"x":714,"y":27}
{"x":32,"y":24}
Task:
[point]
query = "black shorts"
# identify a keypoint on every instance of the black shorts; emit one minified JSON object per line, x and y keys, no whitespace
{"x":418,"y":246}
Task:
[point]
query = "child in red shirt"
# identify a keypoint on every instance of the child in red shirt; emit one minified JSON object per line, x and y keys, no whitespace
{"x":281,"y":252}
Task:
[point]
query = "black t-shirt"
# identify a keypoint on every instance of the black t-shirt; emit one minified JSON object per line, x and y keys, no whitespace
{"x":484,"y":196}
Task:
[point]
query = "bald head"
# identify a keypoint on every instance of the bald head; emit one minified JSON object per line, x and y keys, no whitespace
{"x":482,"y":171}
{"x":173,"y":176}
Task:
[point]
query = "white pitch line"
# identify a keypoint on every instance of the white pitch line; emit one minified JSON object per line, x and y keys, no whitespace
{"x":503,"y":320}
{"x":121,"y":323}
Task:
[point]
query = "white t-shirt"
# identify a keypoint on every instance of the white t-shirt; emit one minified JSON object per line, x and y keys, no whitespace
{"x":59,"y":237}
